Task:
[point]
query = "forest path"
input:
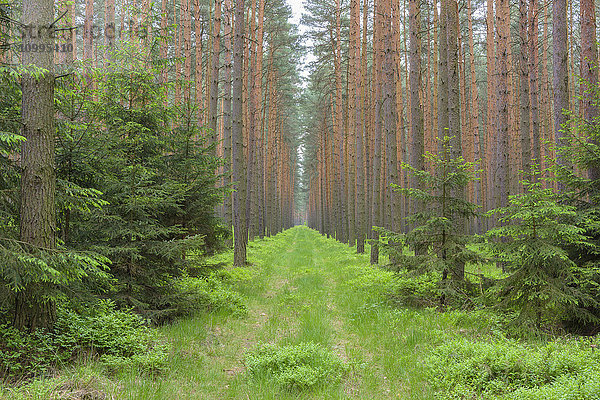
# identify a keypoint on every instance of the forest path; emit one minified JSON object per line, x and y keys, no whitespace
{"x":306,"y":288}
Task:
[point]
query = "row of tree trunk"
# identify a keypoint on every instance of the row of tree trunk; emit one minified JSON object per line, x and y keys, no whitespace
{"x":373,"y":119}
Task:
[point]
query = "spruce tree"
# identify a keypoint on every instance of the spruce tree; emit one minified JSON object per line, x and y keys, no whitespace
{"x":544,"y":284}
{"x":436,"y":233}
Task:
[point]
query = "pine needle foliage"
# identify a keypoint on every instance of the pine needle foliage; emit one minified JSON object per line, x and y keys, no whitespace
{"x":544,"y":284}
{"x":436,"y":230}
{"x":155,"y":174}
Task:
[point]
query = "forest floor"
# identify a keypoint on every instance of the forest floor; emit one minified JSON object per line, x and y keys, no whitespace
{"x":300,"y":294}
{"x":305,"y":288}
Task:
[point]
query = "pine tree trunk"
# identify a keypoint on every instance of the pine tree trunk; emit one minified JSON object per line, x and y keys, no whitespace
{"x":88,"y":30}
{"x":227,"y":36}
{"x":502,"y":102}
{"x":534,"y":86}
{"x":443,"y":75}
{"x":239,"y":196}
{"x":38,"y":180}
{"x":490,"y":142}
{"x":110,"y":30}
{"x":417,"y":145}
{"x":478,"y":186}
{"x":525,"y":121}
{"x":213,"y":111}
{"x":589,"y":68}
{"x":357,"y":127}
{"x":546,"y":88}
{"x":164,"y":22}
{"x":178,"y":41}
{"x":186,"y":16}
{"x":338,"y":130}
{"x":377,"y":128}
{"x":259,"y":125}
{"x":198,"y":71}
{"x":560,"y":77}
{"x":389,"y":111}
{"x":454,"y":104}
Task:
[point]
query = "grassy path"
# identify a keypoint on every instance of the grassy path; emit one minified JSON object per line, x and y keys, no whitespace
{"x":305,"y":289}
{"x":300,"y":294}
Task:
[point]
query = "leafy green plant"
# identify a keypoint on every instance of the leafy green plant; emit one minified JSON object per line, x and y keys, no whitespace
{"x":373,"y":281}
{"x":304,"y":366}
{"x":120,"y":339}
{"x":462,"y":368}
{"x":196,"y":294}
{"x":24,"y":267}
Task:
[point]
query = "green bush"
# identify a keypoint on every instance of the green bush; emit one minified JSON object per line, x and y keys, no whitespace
{"x":119,"y":338}
{"x":208,"y":294}
{"x":373,"y":281}
{"x":301,"y":367}
{"x":583,"y":386}
{"x":113,"y":335}
{"x":465,"y":369}
{"x":235,"y":275}
{"x":24,"y":355}
{"x":420,"y":290}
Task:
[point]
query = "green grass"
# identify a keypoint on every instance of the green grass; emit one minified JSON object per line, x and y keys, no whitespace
{"x":304,"y":288}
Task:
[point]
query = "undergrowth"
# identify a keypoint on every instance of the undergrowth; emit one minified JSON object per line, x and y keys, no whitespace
{"x":502,"y":368}
{"x":304,"y":366}
{"x":118,"y":339}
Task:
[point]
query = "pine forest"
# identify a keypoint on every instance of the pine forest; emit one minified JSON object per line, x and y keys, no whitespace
{"x":299,"y":199}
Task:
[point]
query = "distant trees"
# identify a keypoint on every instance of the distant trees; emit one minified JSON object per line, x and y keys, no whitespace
{"x":452,"y":57}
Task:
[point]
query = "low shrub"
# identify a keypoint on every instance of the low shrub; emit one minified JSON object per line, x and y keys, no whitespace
{"x":105,"y":332}
{"x":238,"y":275}
{"x":300,"y":367}
{"x":24,"y":355}
{"x":416,"y":291}
{"x":208,"y":294}
{"x":374,"y":281}
{"x":465,"y":369}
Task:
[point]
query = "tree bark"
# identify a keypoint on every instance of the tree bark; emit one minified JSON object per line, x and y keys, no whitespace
{"x":376,"y":105}
{"x":227,"y":36}
{"x":524,"y":115}
{"x":186,"y":16}
{"x":38,"y":179}
{"x":240,"y":230}
{"x":417,"y":146}
{"x":502,"y":101}
{"x":589,"y":68}
{"x":213,"y":111}
{"x":357,"y":128}
{"x":478,"y":186}
{"x":534,"y":86}
{"x":490,"y":142}
{"x":443,"y":121}
{"x":560,"y":77}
